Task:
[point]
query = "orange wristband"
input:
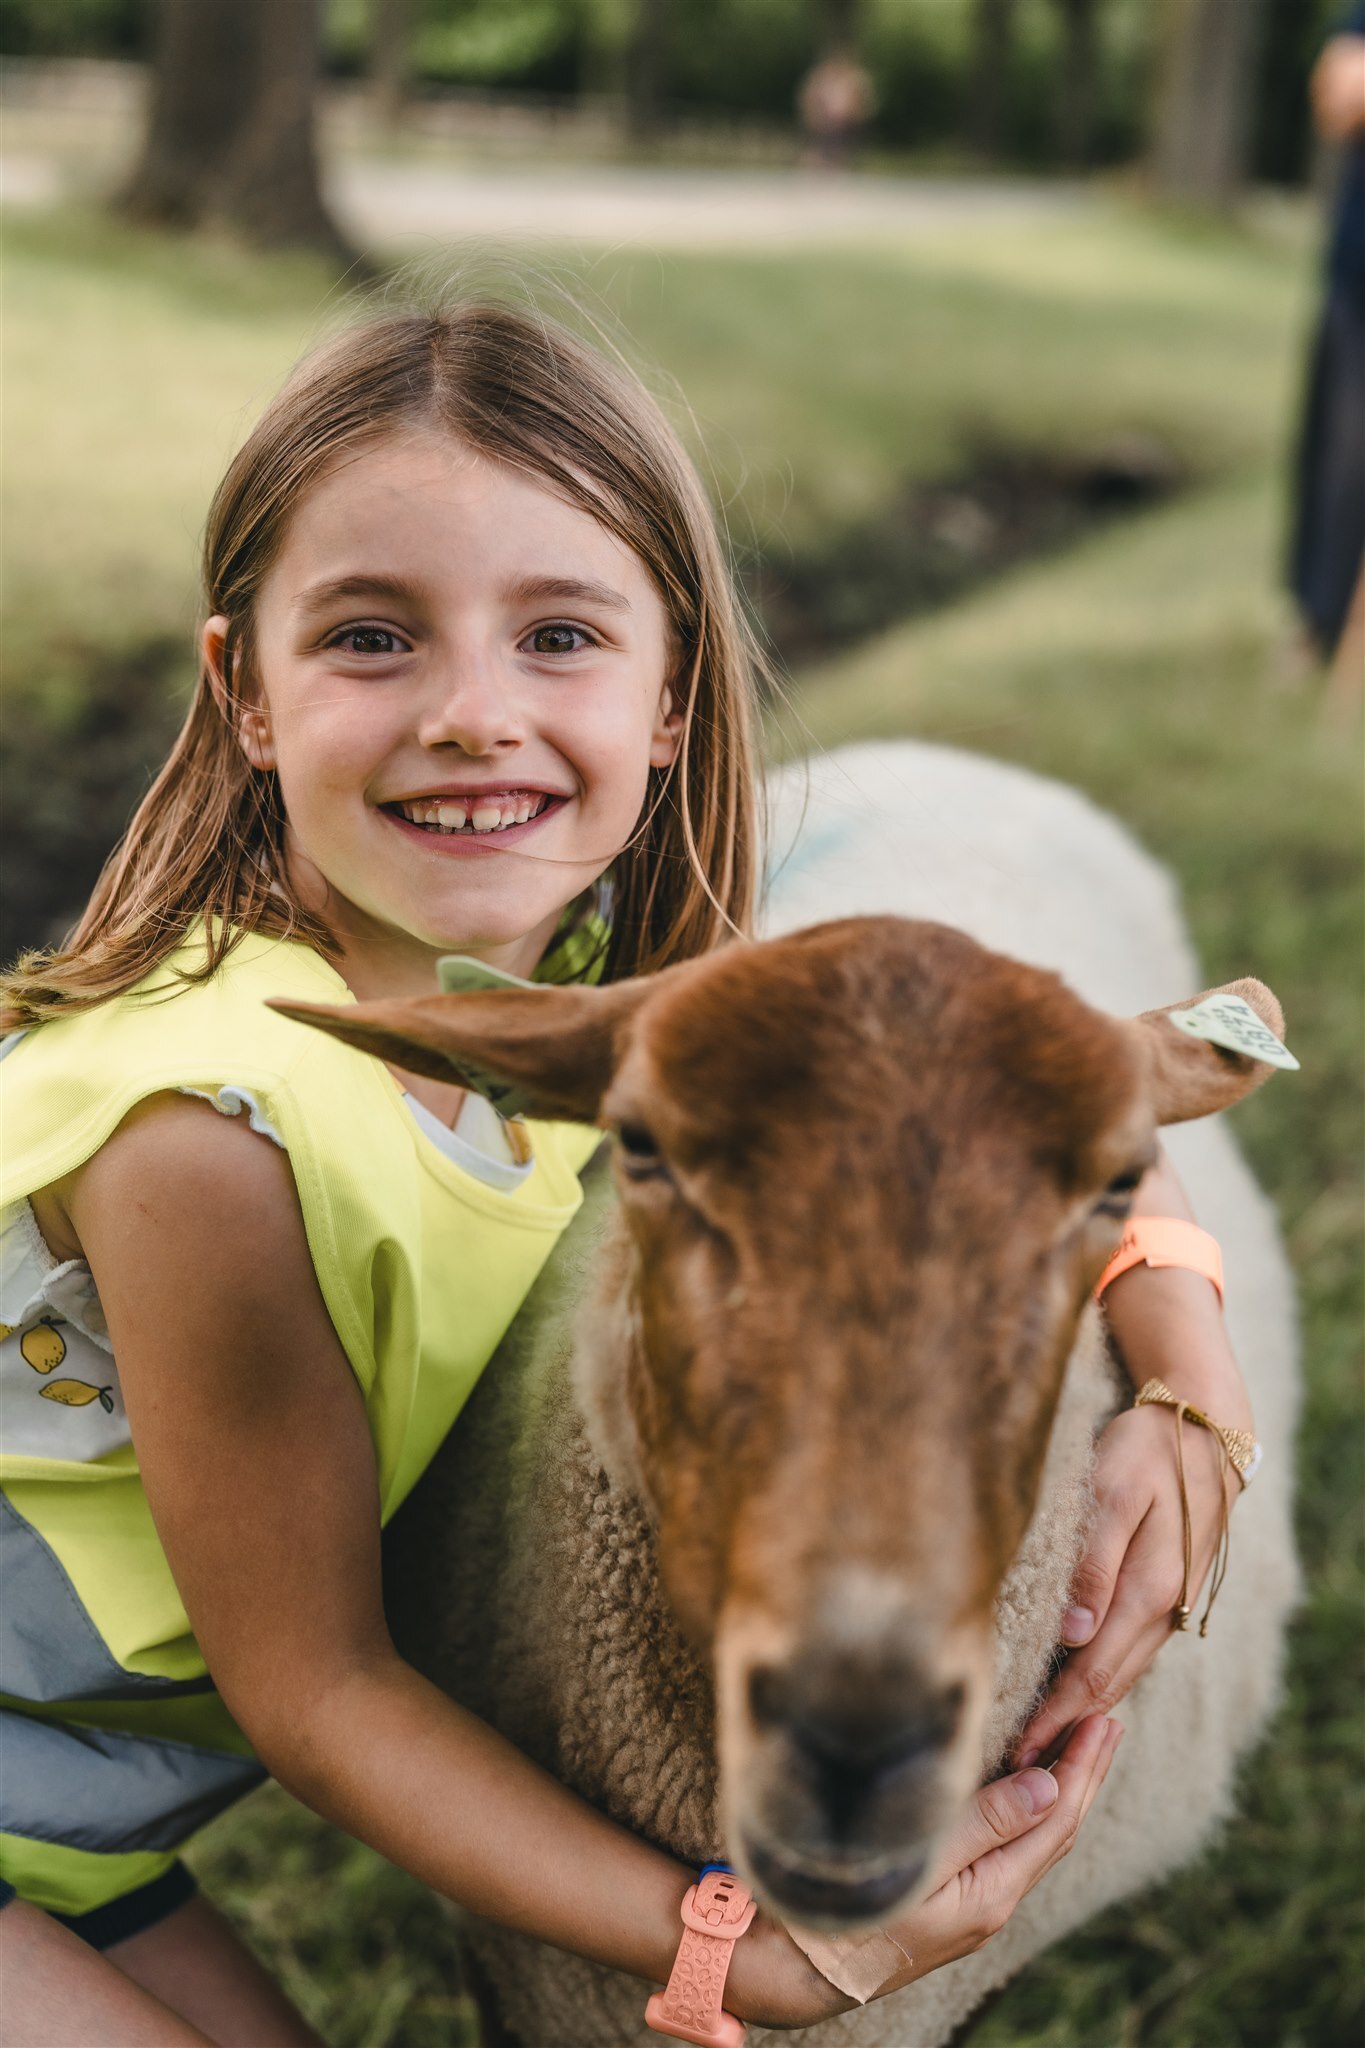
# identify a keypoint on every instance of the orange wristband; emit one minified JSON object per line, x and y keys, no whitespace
{"x":716,"y":1911}
{"x":1165,"y":1241}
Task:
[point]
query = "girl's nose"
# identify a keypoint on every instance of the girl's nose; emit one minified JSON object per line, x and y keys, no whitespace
{"x":473,"y":707}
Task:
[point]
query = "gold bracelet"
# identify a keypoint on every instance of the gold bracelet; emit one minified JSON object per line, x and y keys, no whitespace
{"x":1239,"y":1449}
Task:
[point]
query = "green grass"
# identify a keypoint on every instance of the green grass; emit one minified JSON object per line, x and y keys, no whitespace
{"x":1140,"y":666}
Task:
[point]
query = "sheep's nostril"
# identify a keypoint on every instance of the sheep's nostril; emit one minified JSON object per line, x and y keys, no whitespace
{"x":864,"y":1748}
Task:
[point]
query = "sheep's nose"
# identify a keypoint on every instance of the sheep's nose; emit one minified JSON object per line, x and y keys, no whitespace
{"x":853,"y":1739}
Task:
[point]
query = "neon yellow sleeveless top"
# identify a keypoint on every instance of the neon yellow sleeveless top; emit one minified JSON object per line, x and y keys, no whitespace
{"x":117,"y":1745}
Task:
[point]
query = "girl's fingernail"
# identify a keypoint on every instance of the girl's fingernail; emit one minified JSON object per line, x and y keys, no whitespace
{"x":1040,"y":1789}
{"x":1078,"y":1625}
{"x":1030,"y":1756}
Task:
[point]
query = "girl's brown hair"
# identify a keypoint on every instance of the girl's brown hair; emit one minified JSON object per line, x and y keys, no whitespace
{"x":205,"y":843}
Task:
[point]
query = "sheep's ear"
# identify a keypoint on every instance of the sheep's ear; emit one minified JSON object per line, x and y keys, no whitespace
{"x":1227,"y":1042}
{"x":538,"y":1051}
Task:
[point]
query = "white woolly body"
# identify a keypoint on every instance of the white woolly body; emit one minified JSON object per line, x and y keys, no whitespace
{"x":523,"y":1581}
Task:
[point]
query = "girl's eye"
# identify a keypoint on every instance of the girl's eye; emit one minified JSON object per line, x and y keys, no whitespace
{"x":368,"y":640}
{"x":557,"y":640}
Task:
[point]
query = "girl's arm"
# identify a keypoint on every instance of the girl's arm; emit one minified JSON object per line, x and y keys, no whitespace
{"x":257,"y":1462}
{"x":259,"y":1470}
{"x":1166,"y":1324}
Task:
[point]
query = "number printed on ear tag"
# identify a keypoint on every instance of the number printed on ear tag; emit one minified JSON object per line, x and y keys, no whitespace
{"x":1231,"y":1022}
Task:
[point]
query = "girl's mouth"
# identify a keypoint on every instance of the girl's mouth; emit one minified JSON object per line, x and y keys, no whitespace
{"x":473,"y":817}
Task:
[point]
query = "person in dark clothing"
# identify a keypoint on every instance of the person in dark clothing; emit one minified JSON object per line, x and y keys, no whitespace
{"x":1328,"y":547}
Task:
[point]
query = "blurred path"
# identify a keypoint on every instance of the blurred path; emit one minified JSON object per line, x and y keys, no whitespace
{"x":385,"y":202}
{"x":671,"y":208}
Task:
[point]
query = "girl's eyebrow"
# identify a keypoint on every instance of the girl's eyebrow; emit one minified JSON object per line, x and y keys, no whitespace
{"x":571,"y":589}
{"x":317,"y":597}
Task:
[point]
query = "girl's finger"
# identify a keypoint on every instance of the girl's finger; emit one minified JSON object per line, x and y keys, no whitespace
{"x":972,"y":1905}
{"x":1097,"y":1575}
{"x":1093,"y":1680}
{"x":1000,"y":1811}
{"x":1080,"y":1771}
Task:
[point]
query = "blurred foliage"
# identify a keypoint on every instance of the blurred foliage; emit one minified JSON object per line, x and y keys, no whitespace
{"x":744,"y":59}
{"x":75,"y":28}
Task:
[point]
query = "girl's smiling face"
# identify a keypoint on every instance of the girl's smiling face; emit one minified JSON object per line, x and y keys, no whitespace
{"x":463,"y":683}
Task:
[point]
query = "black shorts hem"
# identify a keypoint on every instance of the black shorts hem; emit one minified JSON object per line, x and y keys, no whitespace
{"x":135,"y":1912}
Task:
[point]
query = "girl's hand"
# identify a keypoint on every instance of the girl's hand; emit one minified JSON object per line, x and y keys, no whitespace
{"x":1128,"y":1584}
{"x":1166,"y":1324}
{"x":1010,"y":1836}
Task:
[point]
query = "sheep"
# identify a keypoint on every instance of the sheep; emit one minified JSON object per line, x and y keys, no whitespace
{"x":524,"y":1575}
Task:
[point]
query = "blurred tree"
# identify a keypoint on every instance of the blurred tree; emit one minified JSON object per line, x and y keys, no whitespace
{"x":230,"y":133}
{"x":840,"y":24}
{"x":1284,"y":148}
{"x":647,"y":69}
{"x":1078,"y":95}
{"x":1207,"y":77}
{"x":391,"y":28}
{"x":992,"y":47}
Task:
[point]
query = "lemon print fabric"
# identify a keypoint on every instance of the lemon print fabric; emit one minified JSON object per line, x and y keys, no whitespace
{"x":43,"y":1347}
{"x":78,"y":1394}
{"x":59,"y":1387}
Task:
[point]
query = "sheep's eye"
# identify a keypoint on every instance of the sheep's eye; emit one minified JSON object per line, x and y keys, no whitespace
{"x":640,"y":1154}
{"x":1117,"y":1198}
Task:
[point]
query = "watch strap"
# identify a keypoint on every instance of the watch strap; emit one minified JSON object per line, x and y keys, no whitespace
{"x":715,"y":1912}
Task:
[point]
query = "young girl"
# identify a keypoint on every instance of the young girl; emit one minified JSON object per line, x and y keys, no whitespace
{"x":472,"y":680}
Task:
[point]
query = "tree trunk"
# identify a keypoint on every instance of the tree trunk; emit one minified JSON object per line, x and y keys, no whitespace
{"x":1203,"y":124}
{"x":230,"y":138}
{"x":1077,"y":105}
{"x":203,"y":73}
{"x":391,"y":58}
{"x":992,"y":42}
{"x":647,"y":70}
{"x":271,"y":192}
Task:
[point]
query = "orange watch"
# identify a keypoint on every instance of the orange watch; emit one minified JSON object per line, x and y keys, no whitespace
{"x":715,"y":1912}
{"x":1165,"y":1241}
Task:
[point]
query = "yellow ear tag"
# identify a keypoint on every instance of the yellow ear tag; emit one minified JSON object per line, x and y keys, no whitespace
{"x":1231,"y":1022}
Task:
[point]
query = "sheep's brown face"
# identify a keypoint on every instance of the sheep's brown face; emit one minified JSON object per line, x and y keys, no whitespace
{"x":868,"y":1188}
{"x":868,"y":1177}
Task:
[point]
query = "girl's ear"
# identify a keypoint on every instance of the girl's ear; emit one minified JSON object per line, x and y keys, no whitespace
{"x":663,"y":741}
{"x":251,"y":722}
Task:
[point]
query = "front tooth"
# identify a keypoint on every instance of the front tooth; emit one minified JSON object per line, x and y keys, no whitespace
{"x":449,"y":814}
{"x":523,"y":811}
{"x":485,"y":817}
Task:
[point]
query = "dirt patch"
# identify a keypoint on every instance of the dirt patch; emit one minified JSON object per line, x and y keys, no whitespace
{"x":936,"y":542}
{"x":71,"y":778}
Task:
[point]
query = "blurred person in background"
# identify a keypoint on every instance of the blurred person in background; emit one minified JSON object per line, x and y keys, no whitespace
{"x":1327,"y":567}
{"x":836,"y":101}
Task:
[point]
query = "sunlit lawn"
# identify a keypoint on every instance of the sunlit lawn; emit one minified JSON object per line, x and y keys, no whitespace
{"x":1143,"y":665}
